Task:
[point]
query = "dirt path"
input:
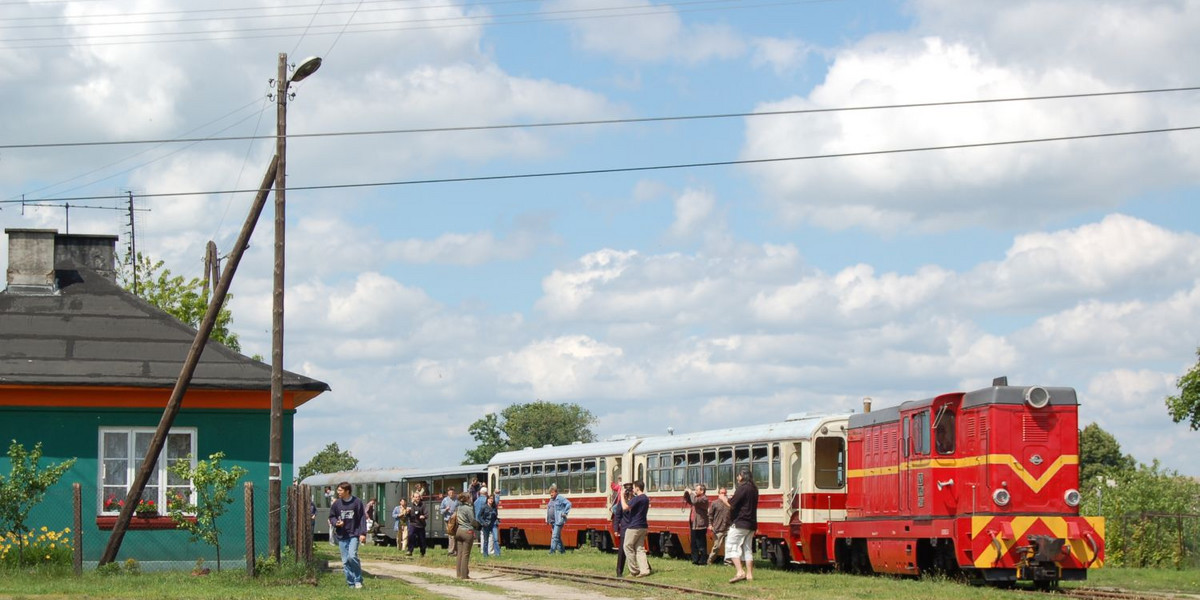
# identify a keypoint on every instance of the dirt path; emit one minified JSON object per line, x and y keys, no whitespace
{"x":515,"y":587}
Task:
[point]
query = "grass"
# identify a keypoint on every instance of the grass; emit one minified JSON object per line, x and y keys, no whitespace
{"x":58,"y":582}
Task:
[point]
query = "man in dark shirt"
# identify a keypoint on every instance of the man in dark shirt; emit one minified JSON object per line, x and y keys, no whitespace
{"x":743,"y":508}
{"x":418,"y":514}
{"x":348,"y":524}
{"x":698,"y":522}
{"x":636,"y":528}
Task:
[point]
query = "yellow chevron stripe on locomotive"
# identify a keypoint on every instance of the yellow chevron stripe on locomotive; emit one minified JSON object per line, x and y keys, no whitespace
{"x":1035,"y":483}
{"x":1004,"y":542}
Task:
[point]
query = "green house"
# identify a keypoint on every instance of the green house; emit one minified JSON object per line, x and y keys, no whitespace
{"x":86,"y":369}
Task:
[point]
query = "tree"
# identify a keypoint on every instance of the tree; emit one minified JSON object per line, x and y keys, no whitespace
{"x":212,"y":485}
{"x":534,"y":424}
{"x":1187,"y":404}
{"x":491,"y":440}
{"x":1100,"y":455}
{"x":186,"y":300}
{"x":329,"y":460}
{"x":24,"y":488}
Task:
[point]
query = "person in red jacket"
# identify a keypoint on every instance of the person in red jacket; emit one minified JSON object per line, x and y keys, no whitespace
{"x":743,"y":508}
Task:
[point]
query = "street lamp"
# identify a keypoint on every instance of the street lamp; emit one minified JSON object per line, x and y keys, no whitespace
{"x":275,"y":466}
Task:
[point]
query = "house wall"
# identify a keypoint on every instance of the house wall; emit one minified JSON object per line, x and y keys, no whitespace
{"x":66,"y":432}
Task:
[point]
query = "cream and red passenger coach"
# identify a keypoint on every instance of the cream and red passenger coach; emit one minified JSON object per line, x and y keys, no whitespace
{"x":798,"y":464}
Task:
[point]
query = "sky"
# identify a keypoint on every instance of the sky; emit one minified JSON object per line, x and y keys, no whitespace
{"x":433,"y":277}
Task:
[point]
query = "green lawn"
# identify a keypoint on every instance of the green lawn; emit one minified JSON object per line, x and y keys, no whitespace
{"x":769,"y":582}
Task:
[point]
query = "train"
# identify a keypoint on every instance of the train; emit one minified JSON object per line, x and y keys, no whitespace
{"x":985,"y":483}
{"x":386,"y":487}
{"x":982,"y":484}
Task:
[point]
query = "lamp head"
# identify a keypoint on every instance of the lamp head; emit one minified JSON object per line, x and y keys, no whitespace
{"x":307,"y":67}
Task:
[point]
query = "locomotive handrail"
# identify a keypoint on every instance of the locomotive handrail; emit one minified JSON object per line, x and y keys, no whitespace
{"x":1095,"y":549}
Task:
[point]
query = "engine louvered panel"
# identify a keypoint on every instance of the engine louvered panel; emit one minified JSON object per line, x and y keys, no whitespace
{"x":1035,"y":428}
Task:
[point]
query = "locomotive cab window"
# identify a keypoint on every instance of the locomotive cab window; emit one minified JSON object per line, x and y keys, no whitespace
{"x":943,"y":428}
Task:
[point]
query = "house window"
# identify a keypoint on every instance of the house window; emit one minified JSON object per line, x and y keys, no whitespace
{"x":122,"y":451}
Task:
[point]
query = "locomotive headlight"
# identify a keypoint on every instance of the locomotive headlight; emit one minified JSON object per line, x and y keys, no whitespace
{"x":1001,"y":497}
{"x":1072,"y":497}
{"x":1037,"y":396}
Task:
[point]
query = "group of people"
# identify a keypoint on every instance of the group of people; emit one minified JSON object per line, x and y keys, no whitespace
{"x":732,"y":522}
{"x":475,"y":514}
{"x":468,"y":513}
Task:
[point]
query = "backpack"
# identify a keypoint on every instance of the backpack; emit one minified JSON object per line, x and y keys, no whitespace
{"x":452,"y":526}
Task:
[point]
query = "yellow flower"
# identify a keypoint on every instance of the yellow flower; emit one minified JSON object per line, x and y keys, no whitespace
{"x":51,"y":546}
{"x":67,"y":530}
{"x":44,"y":528}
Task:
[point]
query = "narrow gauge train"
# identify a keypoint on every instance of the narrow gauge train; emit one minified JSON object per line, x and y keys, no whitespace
{"x":983,"y":482}
{"x":386,"y":487}
{"x":799,"y":466}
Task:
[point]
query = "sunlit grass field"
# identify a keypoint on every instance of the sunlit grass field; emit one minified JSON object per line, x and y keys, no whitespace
{"x":769,"y":582}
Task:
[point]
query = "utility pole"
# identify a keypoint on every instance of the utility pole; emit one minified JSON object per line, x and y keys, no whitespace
{"x":133,"y":244}
{"x":275,"y":460}
{"x":175,"y":402}
{"x":275,"y":464}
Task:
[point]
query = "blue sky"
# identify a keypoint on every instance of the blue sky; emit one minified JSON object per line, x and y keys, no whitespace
{"x":686,"y":298}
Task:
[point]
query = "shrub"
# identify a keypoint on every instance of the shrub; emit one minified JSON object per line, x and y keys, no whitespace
{"x":41,"y":547}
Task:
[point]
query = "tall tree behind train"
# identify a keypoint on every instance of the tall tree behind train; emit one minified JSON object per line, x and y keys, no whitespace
{"x":330,"y":460}
{"x":184,"y":299}
{"x":1100,"y":456}
{"x":535,"y":424}
{"x":1187,"y":404}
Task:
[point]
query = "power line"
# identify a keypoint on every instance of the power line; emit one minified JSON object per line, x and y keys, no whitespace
{"x":603,"y":121}
{"x":694,"y":165}
{"x":395,"y":26}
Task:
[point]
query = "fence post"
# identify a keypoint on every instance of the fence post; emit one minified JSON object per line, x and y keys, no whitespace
{"x":307,"y":529}
{"x":249,"y":495}
{"x":77,"y":555}
{"x":291,"y":518}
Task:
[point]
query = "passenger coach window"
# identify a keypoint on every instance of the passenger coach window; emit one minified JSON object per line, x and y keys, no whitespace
{"x":831,"y":463}
{"x":725,"y":468}
{"x":680,"y":471}
{"x":710,"y":469}
{"x":776,"y":466}
{"x":761,"y":467}
{"x":944,"y":430}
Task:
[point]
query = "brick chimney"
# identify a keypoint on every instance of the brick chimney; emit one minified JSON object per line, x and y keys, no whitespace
{"x":34,"y":254}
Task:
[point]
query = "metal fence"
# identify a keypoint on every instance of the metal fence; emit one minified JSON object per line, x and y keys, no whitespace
{"x":71,"y":528}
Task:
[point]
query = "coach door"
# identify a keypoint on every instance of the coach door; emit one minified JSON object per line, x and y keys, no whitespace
{"x":796,"y":498}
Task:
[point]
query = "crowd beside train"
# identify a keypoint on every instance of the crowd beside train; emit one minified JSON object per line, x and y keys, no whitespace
{"x":473,"y":516}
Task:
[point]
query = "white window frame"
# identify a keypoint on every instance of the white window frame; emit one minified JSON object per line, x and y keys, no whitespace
{"x":133,"y":465}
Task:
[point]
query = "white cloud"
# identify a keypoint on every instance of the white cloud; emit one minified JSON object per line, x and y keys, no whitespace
{"x":653,"y":32}
{"x":694,"y":211}
{"x":1006,"y":185}
{"x":781,"y":55}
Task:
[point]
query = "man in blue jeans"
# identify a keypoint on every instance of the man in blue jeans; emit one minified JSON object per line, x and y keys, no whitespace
{"x":348,"y":525}
{"x":556,"y":515}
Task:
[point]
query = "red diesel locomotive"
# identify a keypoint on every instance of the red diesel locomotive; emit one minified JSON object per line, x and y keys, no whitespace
{"x":983,"y":482}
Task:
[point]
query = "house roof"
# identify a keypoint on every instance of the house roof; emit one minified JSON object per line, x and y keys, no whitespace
{"x":93,"y":333}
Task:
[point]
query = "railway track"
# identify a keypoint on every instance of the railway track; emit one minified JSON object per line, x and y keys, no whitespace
{"x":607,"y":581}
{"x":603,"y":580}
{"x":1115,"y":594}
